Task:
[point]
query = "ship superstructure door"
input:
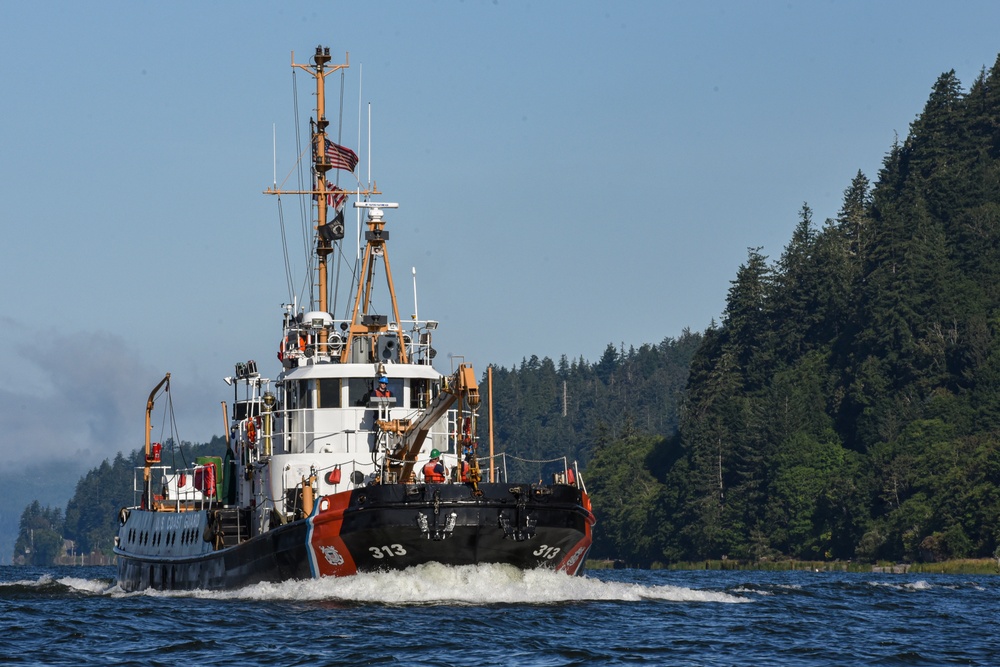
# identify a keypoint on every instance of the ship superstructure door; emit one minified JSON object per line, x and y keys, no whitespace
{"x":298,"y":414}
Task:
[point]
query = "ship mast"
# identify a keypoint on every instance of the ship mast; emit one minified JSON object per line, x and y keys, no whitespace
{"x":327,"y":156}
{"x":323,"y":161}
{"x":321,"y":165}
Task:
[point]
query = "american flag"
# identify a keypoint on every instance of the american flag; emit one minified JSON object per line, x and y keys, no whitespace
{"x":341,"y":157}
{"x":335,"y":200}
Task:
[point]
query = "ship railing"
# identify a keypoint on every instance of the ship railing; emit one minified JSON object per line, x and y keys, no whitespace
{"x":415,"y":474}
{"x":419,"y":348}
{"x":346,"y":440}
{"x":139,"y":498}
{"x":200,"y":487}
{"x":361,"y":438}
{"x":494,"y":468}
{"x":559,"y":470}
{"x":187,"y":489}
{"x":325,"y":338}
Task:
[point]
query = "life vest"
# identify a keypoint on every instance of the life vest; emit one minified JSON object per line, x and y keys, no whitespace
{"x":383,"y":393}
{"x":465,"y":471}
{"x":431,"y":475}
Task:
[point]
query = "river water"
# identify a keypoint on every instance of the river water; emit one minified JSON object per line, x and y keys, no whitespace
{"x":497,"y":616}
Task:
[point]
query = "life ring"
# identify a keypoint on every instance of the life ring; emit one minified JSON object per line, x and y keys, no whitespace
{"x":251,"y":430}
{"x":292,"y":344}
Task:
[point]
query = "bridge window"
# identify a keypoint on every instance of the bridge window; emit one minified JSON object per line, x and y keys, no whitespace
{"x":357,"y":390}
{"x":329,"y":393}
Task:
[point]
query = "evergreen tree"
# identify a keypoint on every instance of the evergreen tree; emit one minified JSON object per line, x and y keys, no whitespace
{"x":39,"y":539}
{"x":624,"y":490}
{"x":746,"y":324}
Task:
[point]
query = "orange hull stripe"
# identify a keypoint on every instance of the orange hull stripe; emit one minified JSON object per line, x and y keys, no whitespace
{"x":329,"y":552}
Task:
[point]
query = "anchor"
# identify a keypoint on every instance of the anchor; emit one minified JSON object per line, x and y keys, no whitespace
{"x":523,"y":526}
{"x":437,"y":532}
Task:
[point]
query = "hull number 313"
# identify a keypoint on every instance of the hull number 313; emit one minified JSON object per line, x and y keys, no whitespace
{"x":545,"y":551}
{"x":387,"y":551}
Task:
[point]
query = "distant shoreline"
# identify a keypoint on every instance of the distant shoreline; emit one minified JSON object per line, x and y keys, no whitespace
{"x":957,"y":566}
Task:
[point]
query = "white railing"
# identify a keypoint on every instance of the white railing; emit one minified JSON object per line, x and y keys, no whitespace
{"x":189,"y":486}
{"x":568,"y":474}
{"x":362,"y":438}
{"x":302,"y":341}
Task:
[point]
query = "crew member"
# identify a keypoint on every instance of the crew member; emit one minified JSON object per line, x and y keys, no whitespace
{"x":462,"y":471}
{"x":434,"y":472}
{"x":382,"y":391}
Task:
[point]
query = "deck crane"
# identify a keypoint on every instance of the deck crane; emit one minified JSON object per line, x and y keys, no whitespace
{"x":407,"y":436}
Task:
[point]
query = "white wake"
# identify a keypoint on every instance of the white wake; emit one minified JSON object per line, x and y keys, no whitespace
{"x":472,"y":585}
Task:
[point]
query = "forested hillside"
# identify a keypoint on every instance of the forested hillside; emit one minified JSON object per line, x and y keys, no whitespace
{"x":848,"y":405}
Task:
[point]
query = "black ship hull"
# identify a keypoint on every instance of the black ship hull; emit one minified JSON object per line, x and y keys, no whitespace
{"x":381,"y":527}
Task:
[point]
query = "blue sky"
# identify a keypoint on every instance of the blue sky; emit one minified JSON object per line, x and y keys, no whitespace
{"x":570,"y":174}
